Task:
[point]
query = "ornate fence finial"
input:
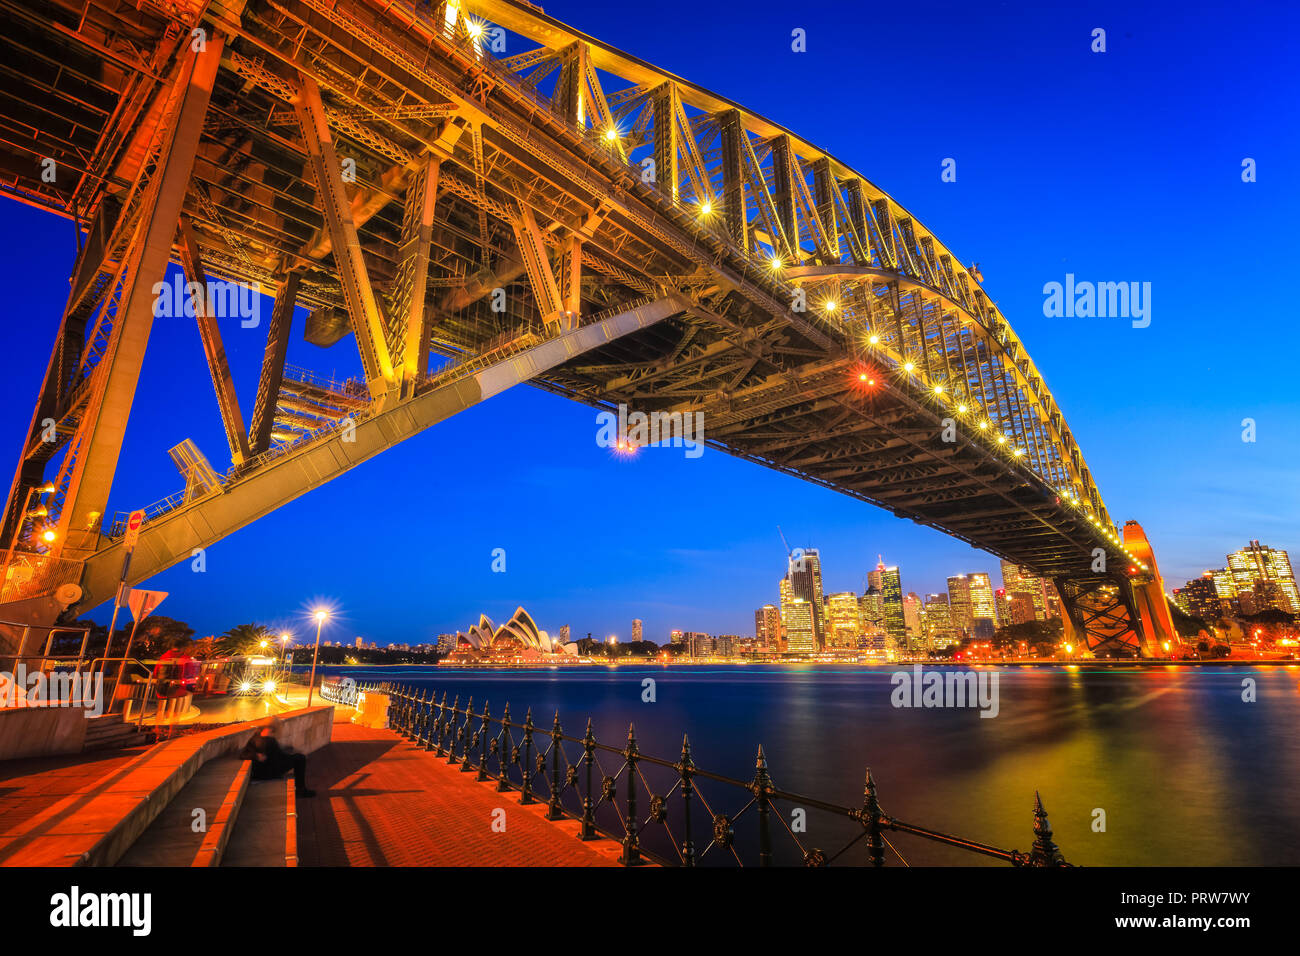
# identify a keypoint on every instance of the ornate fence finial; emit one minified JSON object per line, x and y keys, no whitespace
{"x":1044,"y":852}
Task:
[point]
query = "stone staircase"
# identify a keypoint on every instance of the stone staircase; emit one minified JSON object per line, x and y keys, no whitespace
{"x":111,"y":732}
{"x":188,"y":801}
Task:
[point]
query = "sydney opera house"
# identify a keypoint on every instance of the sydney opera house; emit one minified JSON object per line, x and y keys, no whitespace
{"x":518,"y":641}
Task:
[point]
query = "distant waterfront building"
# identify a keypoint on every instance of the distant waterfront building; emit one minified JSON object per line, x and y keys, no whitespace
{"x":726,"y":645}
{"x":676,"y":638}
{"x":982,"y":602}
{"x":767,"y":628}
{"x":1229,"y":604}
{"x":805,"y":576}
{"x":1018,"y":580}
{"x":786,"y":594}
{"x":872,"y":611}
{"x":891,"y":594}
{"x":1256,"y":564}
{"x":799,"y":634}
{"x":843,"y":620}
{"x":360,"y":642}
{"x":700,"y":644}
{"x":912,"y":620}
{"x":959,"y":603}
{"x":636,"y":629}
{"x":1021,"y":608}
{"x":564,"y":633}
{"x":1002,"y":601}
{"x":1200,"y":598}
{"x":446,"y":643}
{"x":938,"y":627}
{"x":982,"y":629}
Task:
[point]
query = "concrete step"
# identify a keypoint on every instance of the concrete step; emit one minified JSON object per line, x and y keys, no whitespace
{"x":110,"y":731}
{"x":266,"y":833}
{"x":212,"y":800}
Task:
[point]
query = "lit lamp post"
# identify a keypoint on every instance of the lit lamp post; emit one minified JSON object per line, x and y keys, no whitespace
{"x":321,"y":615}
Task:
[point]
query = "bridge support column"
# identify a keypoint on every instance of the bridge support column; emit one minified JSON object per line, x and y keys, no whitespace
{"x":91,"y":458}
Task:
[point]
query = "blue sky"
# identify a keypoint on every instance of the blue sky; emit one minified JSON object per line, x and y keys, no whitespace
{"x":1122,"y":166}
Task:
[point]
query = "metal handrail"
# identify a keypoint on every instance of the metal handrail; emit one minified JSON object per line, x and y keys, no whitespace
{"x":505,"y":750}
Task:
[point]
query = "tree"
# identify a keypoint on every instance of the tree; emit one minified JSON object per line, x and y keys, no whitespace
{"x":157,"y":634}
{"x":244,"y":638}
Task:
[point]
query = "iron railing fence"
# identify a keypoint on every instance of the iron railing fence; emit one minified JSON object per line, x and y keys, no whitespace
{"x":670,"y":812}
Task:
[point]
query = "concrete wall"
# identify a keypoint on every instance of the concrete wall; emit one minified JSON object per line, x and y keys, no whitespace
{"x":41,"y":731}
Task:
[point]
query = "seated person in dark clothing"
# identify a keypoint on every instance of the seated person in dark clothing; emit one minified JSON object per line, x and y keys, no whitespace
{"x":271,"y":761}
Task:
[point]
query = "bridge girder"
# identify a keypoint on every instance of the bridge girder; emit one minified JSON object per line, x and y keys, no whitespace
{"x":463,"y":159}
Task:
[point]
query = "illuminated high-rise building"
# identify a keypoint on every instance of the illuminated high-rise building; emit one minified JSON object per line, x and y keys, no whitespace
{"x":1256,"y":564}
{"x":843,"y":620}
{"x":636,"y":629}
{"x":1018,"y":580}
{"x":938,"y":627}
{"x":799,"y":635}
{"x":912,"y":620}
{"x":891,"y":599}
{"x":982,"y":601}
{"x":1229,"y":605}
{"x":872,"y":608}
{"x":805,"y":574}
{"x":767,"y":627}
{"x":959,"y":603}
{"x":1200,"y":598}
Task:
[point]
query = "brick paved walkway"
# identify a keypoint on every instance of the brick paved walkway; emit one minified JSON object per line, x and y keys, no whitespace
{"x":32,"y":785}
{"x":382,"y":802}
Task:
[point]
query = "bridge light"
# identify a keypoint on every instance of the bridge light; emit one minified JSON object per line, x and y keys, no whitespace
{"x":1020,"y":452}
{"x":873,"y":339}
{"x":474,"y":29}
{"x":938,"y":390}
{"x":961,"y":409}
{"x":706,"y":208}
{"x":984,"y":426}
{"x":611,"y":134}
{"x":775,"y":262}
{"x":908,"y":367}
{"x":830,"y":305}
{"x":49,"y":536}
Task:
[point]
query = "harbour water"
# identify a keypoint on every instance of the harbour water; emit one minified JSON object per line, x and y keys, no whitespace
{"x":1136,"y":766}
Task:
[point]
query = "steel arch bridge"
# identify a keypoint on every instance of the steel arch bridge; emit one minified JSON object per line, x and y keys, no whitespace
{"x":564,"y":215}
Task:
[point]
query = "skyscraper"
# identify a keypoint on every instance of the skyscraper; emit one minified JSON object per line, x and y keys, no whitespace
{"x":636,"y":629}
{"x":938,"y":627}
{"x":767,"y":627}
{"x":872,"y":608}
{"x":1259,"y":564}
{"x":912,"y":620}
{"x":805,"y":574}
{"x":982,"y":601}
{"x":891,"y":594}
{"x":1018,"y":580}
{"x":843,"y":620}
{"x":1200,"y":598}
{"x":800,"y":638}
{"x":959,"y":603}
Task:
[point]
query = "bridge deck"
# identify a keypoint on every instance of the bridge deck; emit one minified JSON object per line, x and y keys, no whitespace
{"x":382,"y":802}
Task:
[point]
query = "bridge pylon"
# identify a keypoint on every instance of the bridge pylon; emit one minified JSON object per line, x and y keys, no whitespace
{"x":1120,"y":612}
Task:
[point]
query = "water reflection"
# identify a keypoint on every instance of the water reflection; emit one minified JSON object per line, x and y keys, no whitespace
{"x":1185,"y":771}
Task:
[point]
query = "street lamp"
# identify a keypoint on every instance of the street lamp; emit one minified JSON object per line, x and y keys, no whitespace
{"x":284,"y":645}
{"x":321,"y":616}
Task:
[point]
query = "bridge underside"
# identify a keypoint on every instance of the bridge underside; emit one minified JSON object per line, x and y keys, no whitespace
{"x":428,"y":200}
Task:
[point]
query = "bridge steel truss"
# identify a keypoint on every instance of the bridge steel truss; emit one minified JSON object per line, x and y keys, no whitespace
{"x":565,"y":215}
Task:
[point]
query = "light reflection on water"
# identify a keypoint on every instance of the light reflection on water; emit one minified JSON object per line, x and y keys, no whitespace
{"x":1185,"y":770}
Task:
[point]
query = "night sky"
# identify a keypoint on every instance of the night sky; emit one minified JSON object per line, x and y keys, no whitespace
{"x":1122,"y":166}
